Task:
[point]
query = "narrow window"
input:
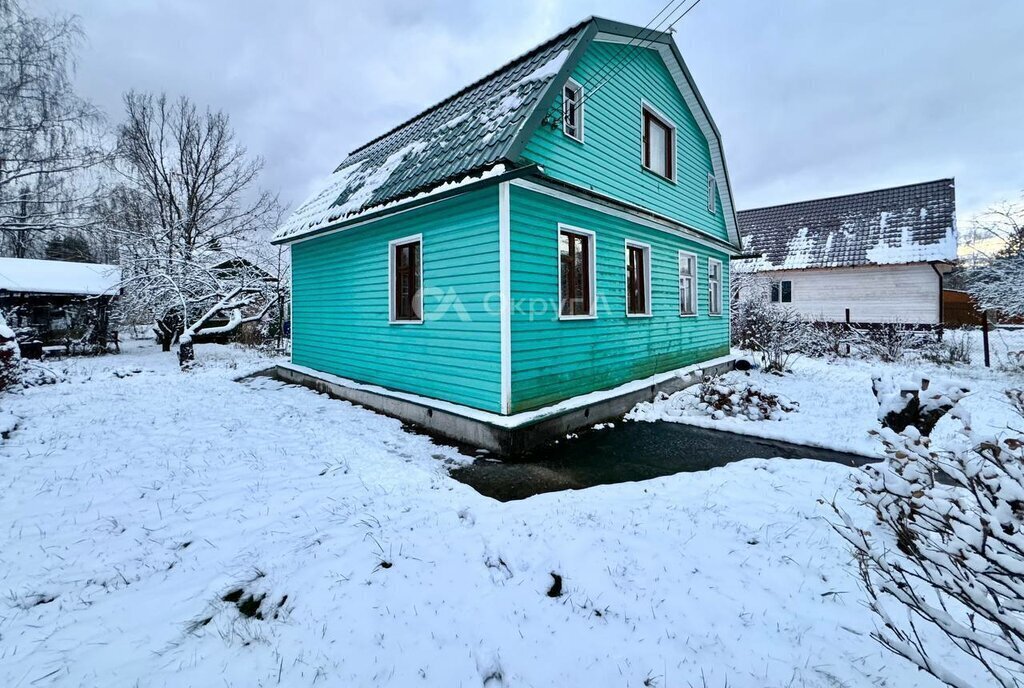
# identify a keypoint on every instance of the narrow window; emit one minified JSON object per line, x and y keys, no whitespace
{"x":406,"y":280}
{"x":714,"y":286}
{"x":659,"y":144}
{"x":576,"y":273}
{"x":572,"y":110}
{"x":711,"y":194}
{"x":638,"y":279}
{"x":687,"y":283}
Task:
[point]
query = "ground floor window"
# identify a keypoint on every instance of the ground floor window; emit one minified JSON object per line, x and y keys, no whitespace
{"x":687,"y":283}
{"x":714,"y":286}
{"x":576,"y":272}
{"x":638,"y":278}
{"x":782,"y":291}
{"x":406,"y":280}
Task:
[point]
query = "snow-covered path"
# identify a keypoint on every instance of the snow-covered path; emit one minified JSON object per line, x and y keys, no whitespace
{"x":134,"y":502}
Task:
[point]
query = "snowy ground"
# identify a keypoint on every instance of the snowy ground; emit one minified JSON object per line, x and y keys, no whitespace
{"x":135,"y":498}
{"x":837,"y":406}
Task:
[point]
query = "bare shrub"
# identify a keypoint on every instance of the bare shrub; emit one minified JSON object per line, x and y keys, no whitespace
{"x":949,"y":552}
{"x":775,"y":332}
{"x":954,"y":348}
{"x":889,"y":342}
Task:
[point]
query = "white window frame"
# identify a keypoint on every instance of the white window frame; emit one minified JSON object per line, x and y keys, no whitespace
{"x":711,"y":193}
{"x":658,"y":114}
{"x":695,"y":301}
{"x":593,"y":270}
{"x":414,"y":238}
{"x":717,"y":287}
{"x":578,"y":88}
{"x":646,"y":248}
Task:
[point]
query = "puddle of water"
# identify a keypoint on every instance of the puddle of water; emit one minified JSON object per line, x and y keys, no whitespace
{"x":628,"y":452}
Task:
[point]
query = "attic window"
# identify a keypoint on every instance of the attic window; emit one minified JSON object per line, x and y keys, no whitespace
{"x":711,"y":193}
{"x":659,"y":144}
{"x":572,"y":110}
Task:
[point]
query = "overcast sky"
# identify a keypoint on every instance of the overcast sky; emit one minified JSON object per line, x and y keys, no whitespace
{"x":813,"y":97}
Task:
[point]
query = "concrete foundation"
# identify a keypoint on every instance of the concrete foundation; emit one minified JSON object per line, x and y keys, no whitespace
{"x":502,"y":435}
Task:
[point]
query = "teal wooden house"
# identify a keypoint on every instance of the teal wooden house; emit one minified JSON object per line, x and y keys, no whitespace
{"x":553,"y":236}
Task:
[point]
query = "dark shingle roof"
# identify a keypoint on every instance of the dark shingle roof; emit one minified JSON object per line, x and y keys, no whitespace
{"x":905,"y":224}
{"x":468,"y":132}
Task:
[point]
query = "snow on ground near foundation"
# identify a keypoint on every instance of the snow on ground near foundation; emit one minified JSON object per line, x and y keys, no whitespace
{"x":837,"y":407}
{"x":135,"y":497}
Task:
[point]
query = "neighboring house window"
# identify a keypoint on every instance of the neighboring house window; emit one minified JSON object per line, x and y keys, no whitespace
{"x":576,"y":273}
{"x":714,"y":286}
{"x":659,"y":144}
{"x":711,"y":194}
{"x":782,"y":292}
{"x":406,"y":280}
{"x":572,"y":110}
{"x":638,"y":278}
{"x":687,"y":283}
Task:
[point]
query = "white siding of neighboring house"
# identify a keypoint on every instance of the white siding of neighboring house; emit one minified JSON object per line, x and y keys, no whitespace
{"x":874,"y":294}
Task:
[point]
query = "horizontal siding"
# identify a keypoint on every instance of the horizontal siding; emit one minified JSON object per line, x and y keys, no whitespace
{"x":340,"y":304}
{"x":874,"y":294}
{"x":556,"y":359}
{"x":609,"y":159}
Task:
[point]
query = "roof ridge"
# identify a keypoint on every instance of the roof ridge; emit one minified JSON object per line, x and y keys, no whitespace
{"x":848,"y":195}
{"x":465,"y":89}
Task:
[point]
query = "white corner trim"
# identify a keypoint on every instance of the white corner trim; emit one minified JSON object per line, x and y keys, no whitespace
{"x":391,"y":279}
{"x":291,"y":305}
{"x":505,"y":292}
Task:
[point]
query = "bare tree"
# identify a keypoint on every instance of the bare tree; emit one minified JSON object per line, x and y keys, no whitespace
{"x":48,"y":135}
{"x":188,"y":203}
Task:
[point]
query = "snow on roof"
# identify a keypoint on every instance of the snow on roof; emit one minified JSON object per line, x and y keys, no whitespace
{"x":470,"y":131}
{"x":58,"y":277}
{"x":906,"y":224}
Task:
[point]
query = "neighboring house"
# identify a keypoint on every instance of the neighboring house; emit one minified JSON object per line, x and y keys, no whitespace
{"x":561,"y":226}
{"x":867,"y":258}
{"x":53,"y":302}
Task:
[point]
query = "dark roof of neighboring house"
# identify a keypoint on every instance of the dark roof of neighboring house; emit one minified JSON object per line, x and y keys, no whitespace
{"x":915,"y":223}
{"x":479,"y":133}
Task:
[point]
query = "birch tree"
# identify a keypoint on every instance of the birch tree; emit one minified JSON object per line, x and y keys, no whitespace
{"x":48,"y":135}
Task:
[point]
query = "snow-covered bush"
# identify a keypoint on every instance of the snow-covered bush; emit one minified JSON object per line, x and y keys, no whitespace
{"x":10,"y":357}
{"x":720,"y":399}
{"x":944,"y":572}
{"x":915,"y":401}
{"x":831,"y":339}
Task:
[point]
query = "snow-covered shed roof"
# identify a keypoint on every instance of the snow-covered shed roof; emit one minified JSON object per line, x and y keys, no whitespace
{"x":58,"y":277}
{"x":479,"y":133}
{"x":915,"y":223}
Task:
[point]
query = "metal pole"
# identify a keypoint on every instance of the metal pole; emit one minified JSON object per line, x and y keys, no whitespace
{"x":984,"y":336}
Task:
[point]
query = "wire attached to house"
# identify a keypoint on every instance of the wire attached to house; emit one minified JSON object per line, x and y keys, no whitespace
{"x":619,"y":61}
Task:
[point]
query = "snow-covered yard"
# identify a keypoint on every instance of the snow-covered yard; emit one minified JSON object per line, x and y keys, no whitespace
{"x":837,"y":406}
{"x":175,"y":529}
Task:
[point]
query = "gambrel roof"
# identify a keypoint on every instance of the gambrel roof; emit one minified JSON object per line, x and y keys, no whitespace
{"x":905,"y":224}
{"x":479,"y":133}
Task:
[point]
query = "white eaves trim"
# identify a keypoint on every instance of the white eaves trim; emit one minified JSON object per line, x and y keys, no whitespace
{"x":693,"y":103}
{"x":526,"y":417}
